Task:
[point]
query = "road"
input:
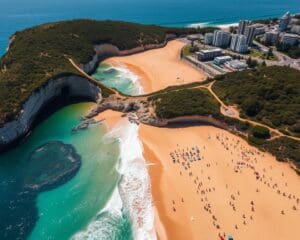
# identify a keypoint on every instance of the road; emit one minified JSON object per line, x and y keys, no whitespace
{"x":284,"y":60}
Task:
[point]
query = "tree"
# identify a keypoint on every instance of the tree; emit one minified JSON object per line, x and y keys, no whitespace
{"x":251,"y":63}
{"x":270,"y":53}
{"x":251,"y":106}
{"x":232,"y":29}
{"x":260,"y":132}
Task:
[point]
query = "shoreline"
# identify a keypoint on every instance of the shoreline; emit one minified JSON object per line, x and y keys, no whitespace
{"x":134,"y":188}
{"x":155,"y":172}
{"x":155,"y":75}
{"x":143,"y":79}
{"x":226,"y":169}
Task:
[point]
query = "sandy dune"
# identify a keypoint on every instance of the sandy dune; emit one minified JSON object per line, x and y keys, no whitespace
{"x":160,"y":68}
{"x":234,"y":188}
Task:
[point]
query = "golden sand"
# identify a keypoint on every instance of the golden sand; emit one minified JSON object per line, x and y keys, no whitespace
{"x":160,"y":68}
{"x":234,"y":189}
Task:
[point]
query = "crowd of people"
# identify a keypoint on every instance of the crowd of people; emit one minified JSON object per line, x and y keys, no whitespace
{"x":192,"y":161}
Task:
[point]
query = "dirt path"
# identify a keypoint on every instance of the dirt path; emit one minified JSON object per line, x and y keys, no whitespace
{"x":91,"y":78}
{"x":228,"y":111}
{"x":232,"y":112}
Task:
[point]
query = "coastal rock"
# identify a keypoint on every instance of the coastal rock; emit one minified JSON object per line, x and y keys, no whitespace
{"x":85,"y":124}
{"x":51,"y":164}
{"x":73,"y":86}
{"x":67,"y":86}
{"x":104,"y":51}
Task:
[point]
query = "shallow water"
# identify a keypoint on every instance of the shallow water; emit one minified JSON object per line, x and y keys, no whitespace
{"x":118,"y":77}
{"x":61,"y":212}
{"x":96,"y":202}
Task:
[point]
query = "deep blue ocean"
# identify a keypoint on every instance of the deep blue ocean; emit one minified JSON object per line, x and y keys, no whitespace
{"x":16,"y":15}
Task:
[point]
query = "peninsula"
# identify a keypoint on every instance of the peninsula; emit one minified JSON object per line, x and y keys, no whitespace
{"x":204,"y":136}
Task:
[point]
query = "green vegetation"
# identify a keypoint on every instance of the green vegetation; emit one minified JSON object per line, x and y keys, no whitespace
{"x":188,"y":50}
{"x":178,"y":101}
{"x":40,"y":53}
{"x":266,"y":21}
{"x":207,"y":30}
{"x":265,"y":56}
{"x":185,"y":102}
{"x":291,"y":51}
{"x":252,"y":63}
{"x":284,"y":149}
{"x":260,"y":132}
{"x":270,"y":95}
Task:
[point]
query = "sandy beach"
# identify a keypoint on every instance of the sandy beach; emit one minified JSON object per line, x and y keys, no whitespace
{"x":160,"y":68}
{"x":110,"y":118}
{"x":208,"y":183}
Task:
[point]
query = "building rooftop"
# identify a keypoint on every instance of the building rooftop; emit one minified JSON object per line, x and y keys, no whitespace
{"x":290,"y":35}
{"x":211,"y":50}
{"x":226,"y":57}
{"x":237,"y":64}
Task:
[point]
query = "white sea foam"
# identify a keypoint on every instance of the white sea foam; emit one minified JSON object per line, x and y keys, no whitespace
{"x":227,"y":25}
{"x":124,"y":72}
{"x":135,"y":188}
{"x":211,"y":24}
{"x":105,"y":225}
{"x":200,"y":24}
{"x":133,"y":193}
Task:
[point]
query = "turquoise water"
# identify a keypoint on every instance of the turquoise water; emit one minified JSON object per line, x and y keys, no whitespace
{"x":88,"y":204}
{"x":118,"y":77}
{"x":68,"y":208}
{"x":16,"y":15}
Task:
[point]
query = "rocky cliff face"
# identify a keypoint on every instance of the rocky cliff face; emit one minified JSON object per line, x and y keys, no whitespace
{"x":67,"y":86}
{"x":74,"y":86}
{"x":104,"y":51}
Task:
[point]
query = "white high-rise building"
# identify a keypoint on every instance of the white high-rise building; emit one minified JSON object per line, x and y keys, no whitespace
{"x":290,"y":39}
{"x":221,"y":39}
{"x":242,"y":26}
{"x":234,"y":40}
{"x":250,"y":33}
{"x":209,"y":38}
{"x":284,"y":22}
{"x":296,"y":29}
{"x":271,"y":38}
{"x":239,"y":43}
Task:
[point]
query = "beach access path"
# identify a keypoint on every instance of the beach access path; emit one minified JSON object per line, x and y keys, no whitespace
{"x":232,"y":112}
{"x":228,"y":111}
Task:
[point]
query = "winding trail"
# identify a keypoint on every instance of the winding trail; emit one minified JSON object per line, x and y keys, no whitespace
{"x":232,"y":112}
{"x":228,"y":111}
{"x":91,"y":78}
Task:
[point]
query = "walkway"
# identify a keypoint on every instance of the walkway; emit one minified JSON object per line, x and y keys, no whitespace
{"x":232,"y":112}
{"x":228,"y":111}
{"x":91,"y":78}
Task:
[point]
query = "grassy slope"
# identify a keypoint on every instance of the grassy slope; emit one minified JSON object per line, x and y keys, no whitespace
{"x":40,"y":53}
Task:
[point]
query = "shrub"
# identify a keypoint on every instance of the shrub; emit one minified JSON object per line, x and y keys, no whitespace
{"x":260,"y":132}
{"x":271,"y":95}
{"x":255,"y":141}
{"x":40,"y":53}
